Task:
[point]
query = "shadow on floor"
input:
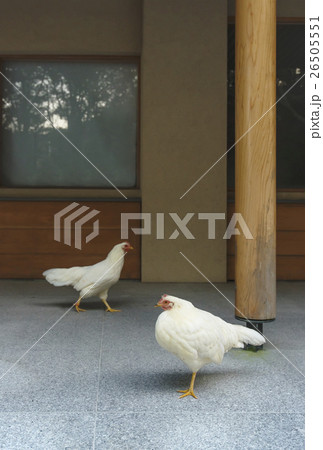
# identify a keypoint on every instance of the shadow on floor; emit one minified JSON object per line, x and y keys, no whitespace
{"x":85,"y":304}
{"x":169,"y":380}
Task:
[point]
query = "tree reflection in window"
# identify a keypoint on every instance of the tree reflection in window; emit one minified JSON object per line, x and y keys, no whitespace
{"x":93,"y":103}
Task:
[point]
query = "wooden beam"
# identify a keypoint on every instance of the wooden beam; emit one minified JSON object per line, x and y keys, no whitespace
{"x":256,"y":158}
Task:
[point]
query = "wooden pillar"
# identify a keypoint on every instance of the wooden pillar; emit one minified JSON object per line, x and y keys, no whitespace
{"x":255,"y":156}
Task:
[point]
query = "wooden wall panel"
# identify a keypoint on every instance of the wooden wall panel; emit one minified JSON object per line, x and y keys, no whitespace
{"x":291,"y":267}
{"x":290,"y":254}
{"x":291,"y":216}
{"x":27,"y":245}
{"x":288,"y":243}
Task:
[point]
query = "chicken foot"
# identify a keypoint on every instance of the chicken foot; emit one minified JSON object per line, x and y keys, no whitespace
{"x":189,"y":391}
{"x":77,"y":304}
{"x":108,"y":306}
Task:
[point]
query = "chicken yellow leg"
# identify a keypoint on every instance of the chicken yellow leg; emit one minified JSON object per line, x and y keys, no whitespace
{"x":189,"y":391}
{"x":108,"y":306}
{"x":77,"y":304}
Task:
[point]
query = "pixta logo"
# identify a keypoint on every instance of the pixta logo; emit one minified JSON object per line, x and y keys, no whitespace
{"x":182,"y":225}
{"x":72,"y":212}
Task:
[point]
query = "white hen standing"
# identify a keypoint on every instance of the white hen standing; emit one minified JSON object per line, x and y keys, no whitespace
{"x":198,"y":337}
{"x":94,"y":280}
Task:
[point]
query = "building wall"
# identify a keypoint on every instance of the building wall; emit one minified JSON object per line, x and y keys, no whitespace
{"x":70,"y":27}
{"x":182,"y":44}
{"x":183,"y":107}
{"x":183,"y":133}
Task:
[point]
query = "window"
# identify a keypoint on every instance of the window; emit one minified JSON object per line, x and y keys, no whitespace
{"x":290,"y":110}
{"x":93,"y":102}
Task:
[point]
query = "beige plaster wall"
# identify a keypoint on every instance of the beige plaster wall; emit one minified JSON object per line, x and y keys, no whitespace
{"x":70,"y":27}
{"x":183,"y":132}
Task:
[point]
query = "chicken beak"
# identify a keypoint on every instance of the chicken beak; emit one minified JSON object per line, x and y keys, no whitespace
{"x":157,"y":306}
{"x":130,"y":248}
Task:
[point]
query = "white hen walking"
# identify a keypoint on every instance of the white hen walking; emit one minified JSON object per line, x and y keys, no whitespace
{"x":94,"y":280}
{"x":198,"y":337}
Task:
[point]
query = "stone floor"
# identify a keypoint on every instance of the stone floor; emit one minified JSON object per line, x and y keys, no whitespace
{"x":100,"y":381}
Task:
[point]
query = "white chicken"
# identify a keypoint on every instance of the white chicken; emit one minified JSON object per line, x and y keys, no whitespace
{"x":94,"y":280}
{"x":198,"y":337}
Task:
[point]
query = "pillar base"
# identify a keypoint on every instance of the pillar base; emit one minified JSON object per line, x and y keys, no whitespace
{"x":243,"y":319}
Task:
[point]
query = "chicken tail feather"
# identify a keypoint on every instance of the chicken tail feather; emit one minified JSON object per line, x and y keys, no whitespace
{"x":248,"y":336}
{"x":63,"y":277}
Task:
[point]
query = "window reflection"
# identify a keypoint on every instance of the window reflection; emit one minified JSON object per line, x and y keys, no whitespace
{"x":93,"y":103}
